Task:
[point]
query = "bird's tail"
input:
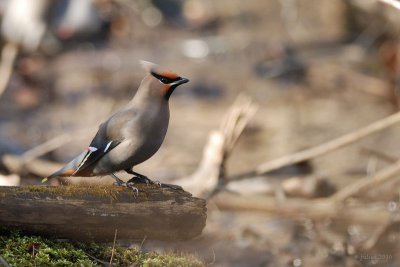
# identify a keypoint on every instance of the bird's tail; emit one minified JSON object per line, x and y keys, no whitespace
{"x":67,"y":170}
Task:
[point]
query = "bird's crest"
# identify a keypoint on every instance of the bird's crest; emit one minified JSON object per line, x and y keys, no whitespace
{"x":155,"y":70}
{"x":148,"y":66}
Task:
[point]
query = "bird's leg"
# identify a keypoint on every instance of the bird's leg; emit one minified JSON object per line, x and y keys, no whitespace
{"x":117,"y":180}
{"x":144,"y":179}
{"x":140,"y":178}
{"x":128,"y":184}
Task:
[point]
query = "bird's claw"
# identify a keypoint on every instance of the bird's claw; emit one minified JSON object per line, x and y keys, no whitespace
{"x":133,"y":187}
{"x":129,"y":185}
{"x":143,"y":180}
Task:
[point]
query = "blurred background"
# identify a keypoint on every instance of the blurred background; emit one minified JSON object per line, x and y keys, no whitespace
{"x":316,"y":69}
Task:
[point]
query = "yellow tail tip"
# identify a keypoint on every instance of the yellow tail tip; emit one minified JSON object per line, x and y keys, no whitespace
{"x":45,"y":179}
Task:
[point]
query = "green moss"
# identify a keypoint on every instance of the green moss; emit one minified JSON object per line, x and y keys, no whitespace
{"x":22,"y":250}
{"x":73,"y":190}
{"x":98,"y":191}
{"x":36,"y":251}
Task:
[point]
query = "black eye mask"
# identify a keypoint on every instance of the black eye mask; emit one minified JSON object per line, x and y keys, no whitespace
{"x":164,"y":79}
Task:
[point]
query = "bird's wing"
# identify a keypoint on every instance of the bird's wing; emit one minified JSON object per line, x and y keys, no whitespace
{"x":109,"y":135}
{"x":113,"y":128}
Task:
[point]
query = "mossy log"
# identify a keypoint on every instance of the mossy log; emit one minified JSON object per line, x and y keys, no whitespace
{"x":93,"y":213}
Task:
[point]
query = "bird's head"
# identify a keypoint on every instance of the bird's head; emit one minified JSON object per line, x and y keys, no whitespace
{"x":162,"y":82}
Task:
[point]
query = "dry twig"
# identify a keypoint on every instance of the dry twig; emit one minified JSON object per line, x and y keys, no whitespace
{"x":378,"y":154}
{"x":38,"y":167}
{"x":298,"y":209}
{"x":53,"y":144}
{"x":381,"y":232}
{"x":367,"y":183}
{"x":393,"y":3}
{"x":3,"y":262}
{"x":8,"y":55}
{"x":220,"y":144}
{"x":328,"y":146}
{"x":113,"y":247}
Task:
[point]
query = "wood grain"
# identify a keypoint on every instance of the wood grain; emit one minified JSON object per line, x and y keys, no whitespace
{"x":92,"y":213}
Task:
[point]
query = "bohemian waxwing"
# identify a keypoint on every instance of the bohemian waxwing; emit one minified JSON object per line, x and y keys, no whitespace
{"x":133,"y":134}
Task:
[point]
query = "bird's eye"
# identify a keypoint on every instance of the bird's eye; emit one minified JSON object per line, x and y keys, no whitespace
{"x":164,"y":80}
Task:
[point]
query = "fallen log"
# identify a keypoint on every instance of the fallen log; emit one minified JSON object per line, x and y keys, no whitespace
{"x":94,"y":213}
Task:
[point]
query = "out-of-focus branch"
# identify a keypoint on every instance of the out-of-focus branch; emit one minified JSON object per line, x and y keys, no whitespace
{"x":221,"y":142}
{"x":367,"y":183}
{"x":219,"y":147}
{"x":393,"y":3}
{"x":233,"y":125}
{"x":54,"y":143}
{"x":378,"y":154}
{"x":8,"y":55}
{"x":36,"y":166}
{"x":382,"y":232}
{"x":298,"y":209}
{"x":328,"y":146}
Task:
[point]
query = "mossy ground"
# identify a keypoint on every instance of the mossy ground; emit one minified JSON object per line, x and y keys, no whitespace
{"x":23,"y":250}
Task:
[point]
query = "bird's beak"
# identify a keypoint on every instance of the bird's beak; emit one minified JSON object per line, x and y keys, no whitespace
{"x":180,"y":81}
{"x":173,"y":85}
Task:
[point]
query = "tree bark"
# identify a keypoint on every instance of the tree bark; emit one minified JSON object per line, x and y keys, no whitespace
{"x":93,"y":213}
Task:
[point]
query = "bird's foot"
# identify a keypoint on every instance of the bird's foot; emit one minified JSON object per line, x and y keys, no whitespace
{"x":143,"y":179}
{"x":133,"y":187}
{"x":129,"y":185}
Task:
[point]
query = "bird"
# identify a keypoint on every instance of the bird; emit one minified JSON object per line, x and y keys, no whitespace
{"x":131,"y":135}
